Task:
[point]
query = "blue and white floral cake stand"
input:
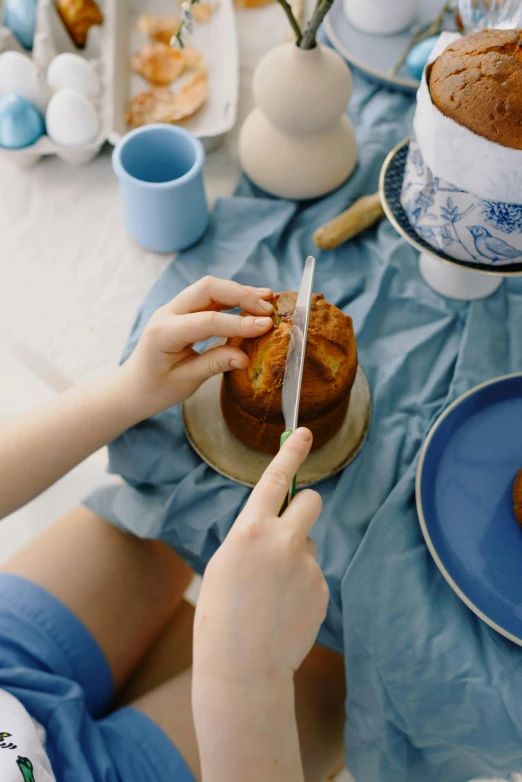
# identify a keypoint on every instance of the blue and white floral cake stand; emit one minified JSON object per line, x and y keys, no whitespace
{"x":455,"y":279}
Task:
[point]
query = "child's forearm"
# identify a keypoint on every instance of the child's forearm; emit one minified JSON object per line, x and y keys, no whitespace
{"x":39,"y":447}
{"x":247,"y":734}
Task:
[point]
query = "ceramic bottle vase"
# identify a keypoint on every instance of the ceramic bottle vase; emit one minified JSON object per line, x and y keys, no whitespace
{"x":298,"y":143}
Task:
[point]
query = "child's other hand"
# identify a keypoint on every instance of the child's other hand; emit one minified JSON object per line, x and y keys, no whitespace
{"x":264,"y":596}
{"x":164,"y":369}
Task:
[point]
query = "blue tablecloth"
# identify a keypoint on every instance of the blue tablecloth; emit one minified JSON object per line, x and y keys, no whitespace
{"x":434,"y":694}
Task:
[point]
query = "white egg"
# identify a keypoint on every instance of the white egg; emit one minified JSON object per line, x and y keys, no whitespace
{"x":77,"y":73}
{"x":20,"y":76}
{"x":71,"y":119}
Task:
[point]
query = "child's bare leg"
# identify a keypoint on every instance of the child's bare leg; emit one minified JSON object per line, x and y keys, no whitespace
{"x":170,"y":707}
{"x":320,"y":698}
{"x":320,"y":695}
{"x":124,"y":590}
{"x":168,"y":656}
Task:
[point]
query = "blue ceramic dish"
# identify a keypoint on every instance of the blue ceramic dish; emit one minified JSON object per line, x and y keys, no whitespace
{"x":464,"y":486}
{"x":160,"y":171}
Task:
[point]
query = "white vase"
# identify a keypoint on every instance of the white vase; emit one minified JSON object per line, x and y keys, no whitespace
{"x":298,"y":143}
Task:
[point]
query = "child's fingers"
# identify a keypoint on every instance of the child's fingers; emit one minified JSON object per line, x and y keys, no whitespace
{"x":213,"y":362}
{"x":175,"y":332}
{"x":211,"y":293}
{"x":265,"y":294}
{"x":200,"y":326}
{"x":303,"y":512}
{"x":268,"y":496}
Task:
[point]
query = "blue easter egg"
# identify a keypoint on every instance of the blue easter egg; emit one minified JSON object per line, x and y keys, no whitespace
{"x":417,"y":59}
{"x":20,"y":18}
{"x":21,"y":124}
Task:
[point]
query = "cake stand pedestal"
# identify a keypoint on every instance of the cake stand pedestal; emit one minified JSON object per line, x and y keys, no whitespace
{"x":455,"y":282}
{"x":446,"y":276}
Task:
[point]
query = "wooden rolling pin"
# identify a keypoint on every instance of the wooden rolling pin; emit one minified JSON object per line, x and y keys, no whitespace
{"x":361,"y":215}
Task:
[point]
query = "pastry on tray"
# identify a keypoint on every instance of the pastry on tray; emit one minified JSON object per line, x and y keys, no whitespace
{"x":162,"y":28}
{"x":158,"y":28}
{"x":461,"y":189}
{"x":159,"y":64}
{"x":201,"y":12}
{"x":162,"y":105}
{"x":253,"y":3}
{"x":251,"y":398}
{"x":78,"y":16}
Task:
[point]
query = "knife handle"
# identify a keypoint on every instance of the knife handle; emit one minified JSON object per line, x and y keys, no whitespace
{"x":291,"y":493}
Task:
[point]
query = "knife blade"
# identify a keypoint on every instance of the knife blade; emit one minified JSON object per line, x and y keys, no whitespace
{"x":293,"y":375}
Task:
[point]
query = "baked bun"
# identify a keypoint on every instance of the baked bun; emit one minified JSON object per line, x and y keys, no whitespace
{"x":477,"y":81}
{"x":251,"y":398}
{"x":78,"y":17}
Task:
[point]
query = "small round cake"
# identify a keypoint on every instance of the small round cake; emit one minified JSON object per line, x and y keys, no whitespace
{"x":477,"y":82}
{"x":251,"y":398}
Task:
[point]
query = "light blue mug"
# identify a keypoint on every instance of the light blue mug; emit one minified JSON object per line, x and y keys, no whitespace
{"x":160,"y":172}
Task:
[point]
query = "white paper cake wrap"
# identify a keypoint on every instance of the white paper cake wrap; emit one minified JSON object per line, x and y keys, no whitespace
{"x":462,"y":193}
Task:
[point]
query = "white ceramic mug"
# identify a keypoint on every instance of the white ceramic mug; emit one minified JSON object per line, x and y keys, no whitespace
{"x":381,"y":17}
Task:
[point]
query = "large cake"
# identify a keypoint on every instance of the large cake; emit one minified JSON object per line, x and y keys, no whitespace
{"x":477,"y":82}
{"x":461,"y":190}
{"x":251,"y":398}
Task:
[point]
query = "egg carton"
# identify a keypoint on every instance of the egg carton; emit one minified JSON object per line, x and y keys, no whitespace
{"x":51,"y":38}
{"x":110,"y":48}
{"x":217,"y":42}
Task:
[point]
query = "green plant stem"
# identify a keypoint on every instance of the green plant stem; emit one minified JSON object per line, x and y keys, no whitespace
{"x":178,"y":37}
{"x":285,"y":5}
{"x":321,"y":9}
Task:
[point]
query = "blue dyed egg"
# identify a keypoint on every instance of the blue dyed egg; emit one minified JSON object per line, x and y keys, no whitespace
{"x":20,"y":18}
{"x":418,"y":58}
{"x":21,"y":124}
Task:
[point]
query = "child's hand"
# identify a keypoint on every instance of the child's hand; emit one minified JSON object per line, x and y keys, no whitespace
{"x":164,"y":370}
{"x":264,"y":597}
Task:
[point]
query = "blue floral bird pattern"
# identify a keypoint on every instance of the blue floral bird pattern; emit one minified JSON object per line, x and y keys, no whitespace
{"x":456,"y":222}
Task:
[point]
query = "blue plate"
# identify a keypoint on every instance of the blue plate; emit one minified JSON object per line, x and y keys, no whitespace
{"x":464,"y":484}
{"x":374,"y":55}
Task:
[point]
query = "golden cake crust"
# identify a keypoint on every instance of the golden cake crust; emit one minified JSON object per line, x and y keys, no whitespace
{"x":265,"y":436}
{"x":251,"y":398}
{"x":477,"y":82}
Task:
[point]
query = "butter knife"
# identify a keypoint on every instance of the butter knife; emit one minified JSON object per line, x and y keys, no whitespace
{"x":293,"y":375}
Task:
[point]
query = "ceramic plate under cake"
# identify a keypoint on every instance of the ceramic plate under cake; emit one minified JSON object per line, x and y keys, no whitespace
{"x":464,"y":500}
{"x":374,"y":55}
{"x":212,"y":440}
{"x":390,"y":187}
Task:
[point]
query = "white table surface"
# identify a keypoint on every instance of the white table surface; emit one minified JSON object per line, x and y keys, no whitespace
{"x":70,"y":277}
